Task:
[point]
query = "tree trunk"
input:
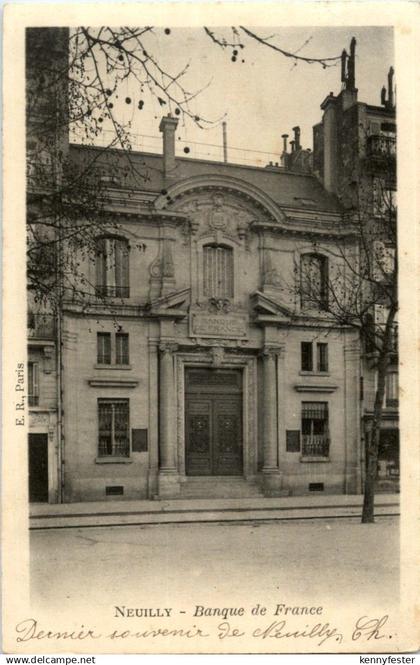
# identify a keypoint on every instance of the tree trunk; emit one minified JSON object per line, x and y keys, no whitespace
{"x":372,"y":440}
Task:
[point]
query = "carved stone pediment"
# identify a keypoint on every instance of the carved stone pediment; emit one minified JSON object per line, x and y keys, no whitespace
{"x":268,"y":311}
{"x":174,"y":305}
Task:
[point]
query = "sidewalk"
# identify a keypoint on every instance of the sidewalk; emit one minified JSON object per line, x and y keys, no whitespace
{"x":119,"y":513}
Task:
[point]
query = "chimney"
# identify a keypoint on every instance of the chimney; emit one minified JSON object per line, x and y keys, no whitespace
{"x":330,"y":142}
{"x":225,"y":154}
{"x":343,"y":65}
{"x":285,"y":137}
{"x":167,"y":126}
{"x":293,"y":144}
{"x":391,"y":87}
{"x":296,"y":131}
{"x":383,"y":96}
{"x":351,"y":66}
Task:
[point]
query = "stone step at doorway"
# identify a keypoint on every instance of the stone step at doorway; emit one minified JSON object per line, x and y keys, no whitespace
{"x":220,"y":487}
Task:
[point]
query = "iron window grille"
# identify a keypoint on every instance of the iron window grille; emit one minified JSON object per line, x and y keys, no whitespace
{"x":114,"y":438}
{"x":315,"y":429}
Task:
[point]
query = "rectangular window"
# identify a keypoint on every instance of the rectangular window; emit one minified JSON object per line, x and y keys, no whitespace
{"x":322,"y":357}
{"x":306,"y":356}
{"x":112,"y":268}
{"x":314,"y":281}
{"x":104,"y":348}
{"x":33,"y":384}
{"x":121,"y":349}
{"x":113,"y":416}
{"x":218,"y":271}
{"x":391,"y":389}
{"x":315,"y":433}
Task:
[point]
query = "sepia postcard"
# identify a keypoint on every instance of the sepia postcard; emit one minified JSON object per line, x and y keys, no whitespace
{"x":210,"y":328}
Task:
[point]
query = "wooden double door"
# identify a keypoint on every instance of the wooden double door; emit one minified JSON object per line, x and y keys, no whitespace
{"x":213,"y":426}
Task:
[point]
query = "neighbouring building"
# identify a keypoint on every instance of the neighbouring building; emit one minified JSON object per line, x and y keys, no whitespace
{"x":355,"y":157}
{"x":195,"y":366}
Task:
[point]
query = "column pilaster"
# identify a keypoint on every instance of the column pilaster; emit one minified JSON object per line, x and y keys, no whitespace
{"x":271,"y":472}
{"x":168,"y":471}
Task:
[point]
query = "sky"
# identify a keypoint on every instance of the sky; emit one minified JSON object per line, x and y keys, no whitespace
{"x":263,"y":94}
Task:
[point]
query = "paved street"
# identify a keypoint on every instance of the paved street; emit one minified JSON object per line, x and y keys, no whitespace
{"x":165,"y":565}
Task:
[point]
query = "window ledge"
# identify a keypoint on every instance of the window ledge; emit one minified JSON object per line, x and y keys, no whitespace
{"x":315,"y":388}
{"x":113,"y":460}
{"x":41,"y":409}
{"x":314,"y":459}
{"x":308,"y":373}
{"x":103,"y":366}
{"x":113,"y":383}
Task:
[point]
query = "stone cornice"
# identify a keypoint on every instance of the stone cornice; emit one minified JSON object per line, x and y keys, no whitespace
{"x":308,"y":229}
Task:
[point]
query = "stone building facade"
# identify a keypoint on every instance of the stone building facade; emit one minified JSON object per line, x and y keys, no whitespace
{"x":194,"y":367}
{"x":229,"y":384}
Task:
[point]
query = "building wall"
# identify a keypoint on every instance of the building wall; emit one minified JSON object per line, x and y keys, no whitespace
{"x":166,"y":293}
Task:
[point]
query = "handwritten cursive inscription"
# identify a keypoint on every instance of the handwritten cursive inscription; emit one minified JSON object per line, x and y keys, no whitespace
{"x":279,"y":629}
{"x":369,"y":628}
{"x":365,"y":628}
{"x":28,"y":630}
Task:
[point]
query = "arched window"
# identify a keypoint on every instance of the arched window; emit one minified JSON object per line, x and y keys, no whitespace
{"x":112,"y":267}
{"x":314,"y":281}
{"x":218,"y":271}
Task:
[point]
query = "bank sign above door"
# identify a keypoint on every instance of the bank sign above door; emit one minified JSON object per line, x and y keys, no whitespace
{"x":228,"y":326}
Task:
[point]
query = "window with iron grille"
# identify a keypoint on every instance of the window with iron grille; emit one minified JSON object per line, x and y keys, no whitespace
{"x":104,"y":348}
{"x":112,"y":268}
{"x":121,"y":349}
{"x":218,"y":271}
{"x":315,"y":431}
{"x":114,"y":439}
{"x":33,"y":384}
{"x":314,"y":281}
